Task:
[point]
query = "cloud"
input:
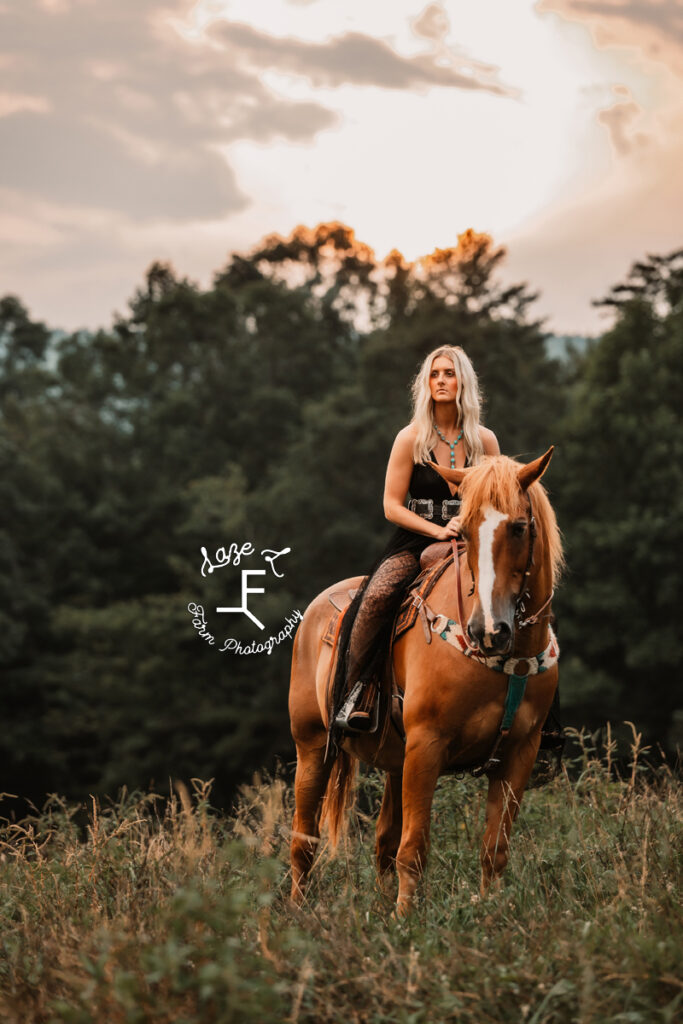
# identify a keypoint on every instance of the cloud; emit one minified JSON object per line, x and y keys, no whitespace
{"x":652,"y":27}
{"x":86,"y":163}
{"x":104,"y":104}
{"x":591,"y":239}
{"x":117,"y":119}
{"x":110,"y":104}
{"x":432,"y":23}
{"x":619,"y":120}
{"x":10,"y":103}
{"x":355,"y":59}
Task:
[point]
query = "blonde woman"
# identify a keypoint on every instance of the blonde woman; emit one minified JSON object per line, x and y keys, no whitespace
{"x":445,"y":428}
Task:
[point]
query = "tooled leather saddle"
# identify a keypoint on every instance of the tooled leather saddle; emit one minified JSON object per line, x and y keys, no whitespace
{"x":408,"y":612}
{"x":412,"y":607}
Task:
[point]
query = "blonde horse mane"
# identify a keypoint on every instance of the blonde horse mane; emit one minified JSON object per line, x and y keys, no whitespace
{"x":495,"y":482}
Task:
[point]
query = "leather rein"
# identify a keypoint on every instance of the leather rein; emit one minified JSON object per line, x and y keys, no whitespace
{"x":523,"y":590}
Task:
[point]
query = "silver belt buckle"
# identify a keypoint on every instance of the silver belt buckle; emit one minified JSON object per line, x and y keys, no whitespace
{"x":417,"y":504}
{"x":450,"y":507}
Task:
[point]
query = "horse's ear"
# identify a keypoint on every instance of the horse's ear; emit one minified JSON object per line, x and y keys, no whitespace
{"x":456,"y":476}
{"x":533,"y":471}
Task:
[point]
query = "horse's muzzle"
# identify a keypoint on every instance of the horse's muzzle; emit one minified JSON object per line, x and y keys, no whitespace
{"x":497,"y":642}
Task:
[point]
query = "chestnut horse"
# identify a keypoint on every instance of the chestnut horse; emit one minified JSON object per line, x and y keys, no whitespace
{"x":457,"y":693}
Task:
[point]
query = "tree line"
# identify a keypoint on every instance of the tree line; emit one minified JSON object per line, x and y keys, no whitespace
{"x":262,"y":410}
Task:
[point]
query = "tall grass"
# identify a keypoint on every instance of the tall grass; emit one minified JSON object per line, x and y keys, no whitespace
{"x":154,"y":911}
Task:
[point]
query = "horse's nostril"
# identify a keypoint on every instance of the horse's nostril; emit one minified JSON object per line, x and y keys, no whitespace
{"x":503,"y":631}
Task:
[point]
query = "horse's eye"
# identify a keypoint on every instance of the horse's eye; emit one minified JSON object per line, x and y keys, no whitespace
{"x":518,"y":529}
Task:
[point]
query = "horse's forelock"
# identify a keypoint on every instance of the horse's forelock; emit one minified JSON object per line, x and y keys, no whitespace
{"x":495,"y":482}
{"x":492,"y":482}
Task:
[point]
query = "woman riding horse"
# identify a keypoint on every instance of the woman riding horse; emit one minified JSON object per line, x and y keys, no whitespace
{"x":445,"y":429}
{"x":477,"y":681}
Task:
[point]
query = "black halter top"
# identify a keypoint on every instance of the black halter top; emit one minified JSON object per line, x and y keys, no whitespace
{"x":425,"y":482}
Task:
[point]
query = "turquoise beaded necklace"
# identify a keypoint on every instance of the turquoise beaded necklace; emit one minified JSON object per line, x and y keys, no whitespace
{"x":451,"y":444}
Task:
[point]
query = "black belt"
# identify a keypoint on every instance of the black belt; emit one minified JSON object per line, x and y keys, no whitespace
{"x":428,"y":509}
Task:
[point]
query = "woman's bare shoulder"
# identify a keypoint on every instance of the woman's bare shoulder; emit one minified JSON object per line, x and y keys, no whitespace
{"x":489,"y":441}
{"x":405,"y":438}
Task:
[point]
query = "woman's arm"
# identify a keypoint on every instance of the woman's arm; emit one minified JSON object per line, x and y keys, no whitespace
{"x":396,"y":486}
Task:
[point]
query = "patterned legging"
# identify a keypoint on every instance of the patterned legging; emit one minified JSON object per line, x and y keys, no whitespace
{"x":379,"y":604}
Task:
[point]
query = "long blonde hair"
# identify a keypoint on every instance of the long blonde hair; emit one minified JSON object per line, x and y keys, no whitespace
{"x":468,"y":401}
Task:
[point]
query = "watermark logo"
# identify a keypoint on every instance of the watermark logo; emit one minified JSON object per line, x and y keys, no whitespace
{"x":232,"y":555}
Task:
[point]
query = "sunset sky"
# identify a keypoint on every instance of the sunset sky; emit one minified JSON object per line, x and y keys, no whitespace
{"x":133,"y":130}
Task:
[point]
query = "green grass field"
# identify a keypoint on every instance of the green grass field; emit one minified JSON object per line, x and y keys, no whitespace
{"x":171,"y":912}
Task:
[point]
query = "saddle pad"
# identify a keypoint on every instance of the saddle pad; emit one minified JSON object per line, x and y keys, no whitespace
{"x":424,"y":584}
{"x":340,"y":600}
{"x":330,"y":634}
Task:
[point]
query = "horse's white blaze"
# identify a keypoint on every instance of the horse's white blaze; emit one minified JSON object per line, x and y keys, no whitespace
{"x":492,"y":520}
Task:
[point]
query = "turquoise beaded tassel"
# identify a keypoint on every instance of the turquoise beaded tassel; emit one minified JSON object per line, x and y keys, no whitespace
{"x":451,"y":444}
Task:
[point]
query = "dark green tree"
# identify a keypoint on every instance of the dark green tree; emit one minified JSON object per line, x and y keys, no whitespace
{"x":263,"y":408}
{"x":621,"y":507}
{"x":29,"y":498}
{"x":142,"y":445}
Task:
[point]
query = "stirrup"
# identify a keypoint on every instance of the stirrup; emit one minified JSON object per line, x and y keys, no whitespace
{"x":351,"y":720}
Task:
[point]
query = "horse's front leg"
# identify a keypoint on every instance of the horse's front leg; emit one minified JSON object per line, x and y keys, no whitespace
{"x":423,"y":762}
{"x":506,"y":789}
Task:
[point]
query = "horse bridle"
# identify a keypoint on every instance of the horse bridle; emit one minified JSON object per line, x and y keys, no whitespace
{"x":523,"y":590}
{"x":523,"y":594}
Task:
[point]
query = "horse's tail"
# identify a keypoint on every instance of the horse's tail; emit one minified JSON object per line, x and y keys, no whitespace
{"x":339,"y":796}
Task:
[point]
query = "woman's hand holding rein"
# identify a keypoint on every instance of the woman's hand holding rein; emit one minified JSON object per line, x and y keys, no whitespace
{"x":451,"y":530}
